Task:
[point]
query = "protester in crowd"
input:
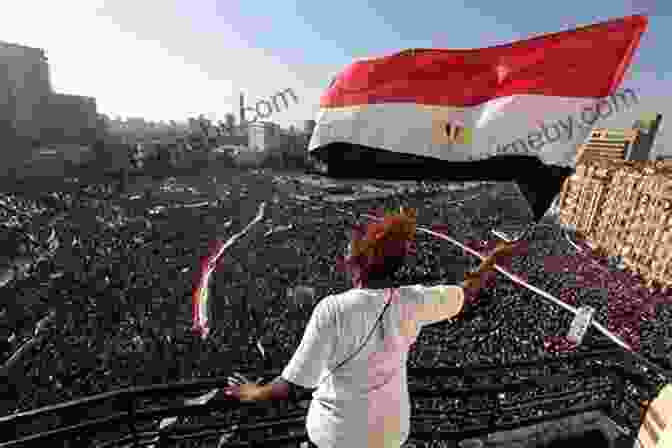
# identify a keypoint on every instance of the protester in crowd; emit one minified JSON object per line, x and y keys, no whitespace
{"x":360,"y":385}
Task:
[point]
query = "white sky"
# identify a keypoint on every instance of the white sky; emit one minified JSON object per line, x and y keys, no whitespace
{"x":132,"y":75}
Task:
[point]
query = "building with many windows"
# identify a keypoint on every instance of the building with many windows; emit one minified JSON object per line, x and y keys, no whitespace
{"x":31,"y":114}
{"x":636,"y":143}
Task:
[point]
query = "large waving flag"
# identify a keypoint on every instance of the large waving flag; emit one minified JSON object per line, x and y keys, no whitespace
{"x":509,"y":112}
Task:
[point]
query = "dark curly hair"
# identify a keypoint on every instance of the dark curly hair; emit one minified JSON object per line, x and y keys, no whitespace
{"x":378,"y":250}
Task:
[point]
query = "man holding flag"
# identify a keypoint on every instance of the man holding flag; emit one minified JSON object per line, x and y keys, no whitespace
{"x":458,"y":115}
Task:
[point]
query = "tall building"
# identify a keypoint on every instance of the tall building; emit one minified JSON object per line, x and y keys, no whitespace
{"x":30,"y":112}
{"x":612,"y":144}
{"x":623,"y":144}
{"x":24,"y":91}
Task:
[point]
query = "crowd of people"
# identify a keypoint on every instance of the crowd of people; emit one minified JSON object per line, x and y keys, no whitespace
{"x":121,"y":279}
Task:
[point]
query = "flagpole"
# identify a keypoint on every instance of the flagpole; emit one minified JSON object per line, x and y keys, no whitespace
{"x":611,"y":336}
{"x":518,"y":280}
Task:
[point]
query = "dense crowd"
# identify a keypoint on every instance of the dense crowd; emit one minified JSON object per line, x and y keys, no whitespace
{"x":121,"y":279}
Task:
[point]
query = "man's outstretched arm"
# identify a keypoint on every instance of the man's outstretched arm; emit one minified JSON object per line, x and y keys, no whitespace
{"x":309,"y":360}
{"x":474,"y":281}
{"x":280,"y":389}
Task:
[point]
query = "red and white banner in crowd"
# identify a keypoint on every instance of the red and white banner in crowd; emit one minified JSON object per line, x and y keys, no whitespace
{"x":201,"y":305}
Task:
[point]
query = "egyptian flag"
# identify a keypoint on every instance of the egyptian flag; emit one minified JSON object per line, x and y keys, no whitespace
{"x":514,"y":112}
{"x":201,"y":295}
{"x":201,"y":306}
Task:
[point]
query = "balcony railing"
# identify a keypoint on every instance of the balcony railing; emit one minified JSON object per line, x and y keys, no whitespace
{"x":477,"y":400}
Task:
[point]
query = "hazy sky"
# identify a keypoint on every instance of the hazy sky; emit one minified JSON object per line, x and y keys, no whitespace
{"x":169,"y":59}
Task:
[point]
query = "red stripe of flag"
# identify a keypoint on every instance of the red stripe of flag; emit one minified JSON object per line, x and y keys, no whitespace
{"x":587,"y":62}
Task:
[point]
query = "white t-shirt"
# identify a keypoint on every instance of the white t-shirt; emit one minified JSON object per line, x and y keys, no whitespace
{"x":365,"y":402}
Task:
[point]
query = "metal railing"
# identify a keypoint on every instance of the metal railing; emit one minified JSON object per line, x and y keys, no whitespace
{"x":124,"y":418}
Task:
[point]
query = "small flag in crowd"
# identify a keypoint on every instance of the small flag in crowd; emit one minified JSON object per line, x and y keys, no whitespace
{"x":200,"y":306}
{"x":201,"y":294}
